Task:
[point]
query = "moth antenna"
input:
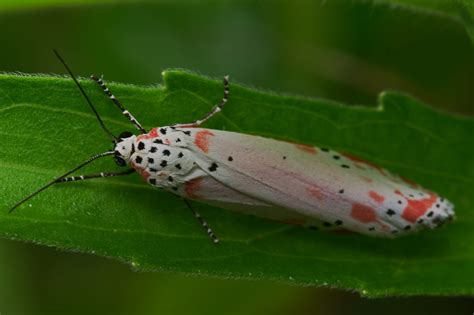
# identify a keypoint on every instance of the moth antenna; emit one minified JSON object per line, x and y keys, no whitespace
{"x":58,"y":180}
{"x":85,"y":96}
{"x":117,"y":103}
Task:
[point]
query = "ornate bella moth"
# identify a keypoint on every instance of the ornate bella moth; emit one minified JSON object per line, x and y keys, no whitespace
{"x":293,"y":183}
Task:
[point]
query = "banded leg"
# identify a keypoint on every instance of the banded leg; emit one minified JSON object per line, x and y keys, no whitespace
{"x":91,"y":176}
{"x":214,"y":111}
{"x":203,"y":222}
{"x":125,"y":112}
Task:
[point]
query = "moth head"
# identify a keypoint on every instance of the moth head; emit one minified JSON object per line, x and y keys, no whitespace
{"x":124,"y":148}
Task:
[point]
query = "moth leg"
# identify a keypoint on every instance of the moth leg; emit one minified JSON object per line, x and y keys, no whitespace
{"x":214,"y":111}
{"x":91,"y":176}
{"x":203,"y":222}
{"x":125,"y":112}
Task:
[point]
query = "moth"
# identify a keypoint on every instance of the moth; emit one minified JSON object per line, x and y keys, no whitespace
{"x":293,"y":183}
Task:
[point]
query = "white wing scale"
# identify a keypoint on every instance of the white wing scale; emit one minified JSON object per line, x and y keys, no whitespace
{"x":285,"y":181}
{"x":318,"y":184}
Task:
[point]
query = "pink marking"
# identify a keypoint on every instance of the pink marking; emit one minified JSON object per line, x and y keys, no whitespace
{"x":363,"y":213}
{"x":315,"y":191}
{"x":305,"y":148}
{"x":145,"y":174}
{"x":376,"y":197}
{"x":192,"y":186}
{"x":416,"y":208}
{"x":152,"y":134}
{"x":202,"y":140}
{"x":141,"y":171}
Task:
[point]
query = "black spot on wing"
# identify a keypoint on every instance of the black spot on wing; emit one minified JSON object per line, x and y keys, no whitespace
{"x":213,"y":167}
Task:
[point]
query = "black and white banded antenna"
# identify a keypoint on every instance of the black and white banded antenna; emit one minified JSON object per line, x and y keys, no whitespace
{"x":117,"y":103}
{"x":60,"y":178}
{"x":64,"y":178}
{"x":107,"y":131}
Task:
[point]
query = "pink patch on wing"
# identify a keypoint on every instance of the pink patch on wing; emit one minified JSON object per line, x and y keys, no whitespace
{"x":315,"y":191}
{"x":363,"y":213}
{"x":191,"y":187}
{"x":152,"y":134}
{"x":202,"y":140}
{"x":416,"y":208}
{"x":376,"y":197}
{"x":142,"y":172}
{"x":305,"y":148}
{"x":145,"y":174}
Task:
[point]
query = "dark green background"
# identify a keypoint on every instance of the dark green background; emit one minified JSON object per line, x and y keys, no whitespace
{"x":343,"y":50}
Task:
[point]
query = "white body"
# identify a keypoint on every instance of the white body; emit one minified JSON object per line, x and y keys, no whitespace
{"x":293,"y":183}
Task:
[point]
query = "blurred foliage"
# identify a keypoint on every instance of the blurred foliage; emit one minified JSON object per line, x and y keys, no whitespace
{"x":342,"y":50}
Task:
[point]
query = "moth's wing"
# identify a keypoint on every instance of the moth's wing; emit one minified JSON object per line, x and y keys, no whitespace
{"x":320,"y":184}
{"x":205,"y":188}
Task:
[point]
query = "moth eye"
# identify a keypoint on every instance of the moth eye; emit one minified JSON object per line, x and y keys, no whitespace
{"x":125,"y":134}
{"x":119,"y":160}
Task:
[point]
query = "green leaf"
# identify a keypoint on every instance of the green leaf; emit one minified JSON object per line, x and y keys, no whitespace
{"x":459,"y":10}
{"x":47,"y":129}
